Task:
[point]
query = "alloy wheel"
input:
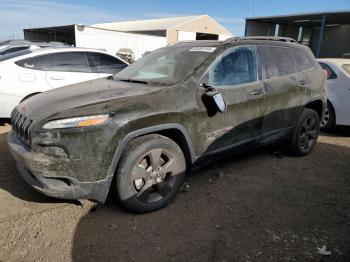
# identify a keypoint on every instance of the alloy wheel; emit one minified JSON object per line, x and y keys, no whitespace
{"x":325,"y":118}
{"x":308,"y":134}
{"x":154,"y":175}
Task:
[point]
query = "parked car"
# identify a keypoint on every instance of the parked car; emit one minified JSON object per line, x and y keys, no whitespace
{"x":29,"y":72}
{"x":177,"y":108}
{"x":126,"y":54}
{"x":11,"y":46}
{"x":338,"y":82}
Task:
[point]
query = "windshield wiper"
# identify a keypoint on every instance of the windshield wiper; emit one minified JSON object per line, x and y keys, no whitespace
{"x":133,"y":81}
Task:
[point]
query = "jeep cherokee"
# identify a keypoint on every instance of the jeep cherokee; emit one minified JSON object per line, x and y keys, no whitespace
{"x":142,"y":131}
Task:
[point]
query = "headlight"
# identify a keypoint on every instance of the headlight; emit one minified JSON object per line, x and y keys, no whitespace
{"x":82,"y":121}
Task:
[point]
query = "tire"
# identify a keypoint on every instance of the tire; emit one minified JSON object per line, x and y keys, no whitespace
{"x":305,"y":133}
{"x":328,"y":121}
{"x":150,"y":173}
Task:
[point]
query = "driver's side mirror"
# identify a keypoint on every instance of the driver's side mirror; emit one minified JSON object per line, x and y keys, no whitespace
{"x":213,"y":100}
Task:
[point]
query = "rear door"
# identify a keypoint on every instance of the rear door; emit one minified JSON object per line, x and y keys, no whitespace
{"x":69,"y":68}
{"x":283,"y":83}
{"x":234,"y":75}
{"x":105,"y":65}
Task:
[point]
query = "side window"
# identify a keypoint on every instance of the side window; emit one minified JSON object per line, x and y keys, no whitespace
{"x":304,"y":61}
{"x":105,"y":64}
{"x":238,"y":66}
{"x":330,"y":73}
{"x":70,"y":62}
{"x":42,"y":62}
{"x":277,"y":61}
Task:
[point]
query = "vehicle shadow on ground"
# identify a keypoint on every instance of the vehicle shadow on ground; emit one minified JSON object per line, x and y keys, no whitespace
{"x":339,"y":131}
{"x":261,"y":206}
{"x":13,"y":183}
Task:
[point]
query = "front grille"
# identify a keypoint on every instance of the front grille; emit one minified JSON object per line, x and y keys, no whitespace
{"x":20,"y":125}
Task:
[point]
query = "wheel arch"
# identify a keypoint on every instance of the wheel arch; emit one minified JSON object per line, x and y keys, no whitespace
{"x":316,"y":104}
{"x":174,"y":131}
{"x":30,"y":95}
{"x":177,"y":132}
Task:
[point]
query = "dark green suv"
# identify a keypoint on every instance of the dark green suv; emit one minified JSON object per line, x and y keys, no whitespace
{"x":142,"y":131}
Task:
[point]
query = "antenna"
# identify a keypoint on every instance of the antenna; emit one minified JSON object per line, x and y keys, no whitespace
{"x":249,"y":7}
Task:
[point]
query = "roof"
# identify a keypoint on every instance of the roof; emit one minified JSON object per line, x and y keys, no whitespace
{"x":332,"y":17}
{"x":237,"y":41}
{"x":149,"y":24}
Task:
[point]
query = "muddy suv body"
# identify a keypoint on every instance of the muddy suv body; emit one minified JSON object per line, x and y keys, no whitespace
{"x":142,"y":131}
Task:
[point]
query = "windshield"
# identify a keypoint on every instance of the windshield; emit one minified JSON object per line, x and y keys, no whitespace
{"x":346,"y":67}
{"x":168,"y":65}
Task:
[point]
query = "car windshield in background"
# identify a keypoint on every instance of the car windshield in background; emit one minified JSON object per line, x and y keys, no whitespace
{"x":167,"y":66}
{"x":346,"y":67}
{"x":14,"y":54}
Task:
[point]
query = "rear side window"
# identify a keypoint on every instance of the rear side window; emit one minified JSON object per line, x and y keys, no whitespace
{"x":42,"y":62}
{"x":346,"y":67}
{"x":304,"y":61}
{"x":70,"y":62}
{"x":234,"y":68}
{"x":105,"y":63}
{"x":330,"y":73}
{"x":277,"y":61}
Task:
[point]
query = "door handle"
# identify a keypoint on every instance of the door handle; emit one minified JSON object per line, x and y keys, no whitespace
{"x":257,"y":92}
{"x":302,"y":83}
{"x":57,"y":78}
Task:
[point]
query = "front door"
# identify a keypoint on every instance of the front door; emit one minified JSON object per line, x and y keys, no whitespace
{"x":234,"y":75}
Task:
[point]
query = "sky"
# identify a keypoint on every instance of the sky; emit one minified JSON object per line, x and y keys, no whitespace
{"x":18,"y":14}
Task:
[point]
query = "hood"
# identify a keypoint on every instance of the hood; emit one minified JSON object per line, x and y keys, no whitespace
{"x":55,"y":101}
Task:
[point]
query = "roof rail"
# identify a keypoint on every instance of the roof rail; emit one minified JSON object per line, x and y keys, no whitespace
{"x":192,"y":41}
{"x":270,"y":38}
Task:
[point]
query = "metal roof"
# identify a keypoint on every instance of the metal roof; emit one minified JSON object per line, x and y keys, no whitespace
{"x":332,"y":17}
{"x":148,"y":24}
{"x":318,"y":14}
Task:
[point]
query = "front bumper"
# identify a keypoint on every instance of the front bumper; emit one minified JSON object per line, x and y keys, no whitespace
{"x":32,"y":166}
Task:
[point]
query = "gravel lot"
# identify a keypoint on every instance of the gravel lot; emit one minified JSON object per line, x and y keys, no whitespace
{"x":260,"y":206}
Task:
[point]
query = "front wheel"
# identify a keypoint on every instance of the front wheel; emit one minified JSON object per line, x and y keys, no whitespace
{"x":150,"y":174}
{"x":305,"y":133}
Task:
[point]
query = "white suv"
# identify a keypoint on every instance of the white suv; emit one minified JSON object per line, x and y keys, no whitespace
{"x":29,"y":72}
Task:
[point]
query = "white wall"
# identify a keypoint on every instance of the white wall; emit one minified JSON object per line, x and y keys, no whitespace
{"x":112,"y":41}
{"x":224,"y":37}
{"x":183,"y":36}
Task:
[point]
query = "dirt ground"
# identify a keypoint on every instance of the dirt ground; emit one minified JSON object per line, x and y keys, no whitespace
{"x":260,"y":206}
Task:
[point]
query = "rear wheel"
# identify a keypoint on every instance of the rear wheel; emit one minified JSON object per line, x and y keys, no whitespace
{"x":150,"y":174}
{"x":305,"y":133}
{"x":328,"y":120}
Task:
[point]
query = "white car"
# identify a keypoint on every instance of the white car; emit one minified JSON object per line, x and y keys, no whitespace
{"x":338,"y":81}
{"x":29,"y":72}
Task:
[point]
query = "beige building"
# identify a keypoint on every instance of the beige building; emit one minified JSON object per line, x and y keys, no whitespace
{"x":201,"y":27}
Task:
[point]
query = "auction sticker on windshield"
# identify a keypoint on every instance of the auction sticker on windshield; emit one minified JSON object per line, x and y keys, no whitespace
{"x":203,"y":49}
